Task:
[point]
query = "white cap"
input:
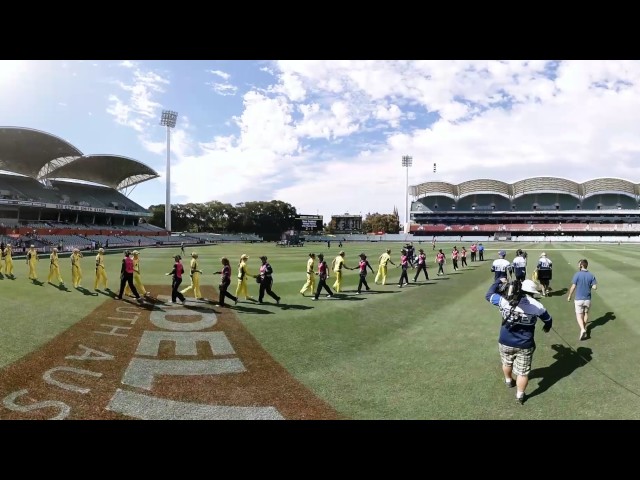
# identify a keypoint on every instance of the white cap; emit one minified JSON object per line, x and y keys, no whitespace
{"x":529,"y":286}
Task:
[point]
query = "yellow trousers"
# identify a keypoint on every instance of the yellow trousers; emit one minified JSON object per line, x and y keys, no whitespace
{"x":338,"y":284}
{"x":310,"y":284}
{"x":76,"y":276}
{"x":241,"y":289}
{"x":8,"y":267}
{"x":381,"y":275}
{"x":195,"y":285}
{"x":137,"y":282}
{"x":54,"y":274}
{"x":101,"y":278}
{"x":33,"y":275}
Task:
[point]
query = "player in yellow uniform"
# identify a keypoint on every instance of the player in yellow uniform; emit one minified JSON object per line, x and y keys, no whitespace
{"x":137,"y":279}
{"x":2,"y":254}
{"x":101,"y":274}
{"x":8,"y":261}
{"x":311,"y":276}
{"x":195,"y":278}
{"x":76,"y":271}
{"x":382,"y":267}
{"x":243,"y":275}
{"x":337,"y":265}
{"x":32,"y":260}
{"x":54,"y":268}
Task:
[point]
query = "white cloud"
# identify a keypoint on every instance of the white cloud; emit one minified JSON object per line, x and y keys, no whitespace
{"x":138,"y":109}
{"x":220,"y":73}
{"x":127,"y":64}
{"x":313,"y":137}
{"x":224,"y":89}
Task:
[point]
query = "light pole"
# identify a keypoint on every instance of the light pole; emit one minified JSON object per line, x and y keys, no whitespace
{"x":407,"y":161}
{"x":168,"y":119}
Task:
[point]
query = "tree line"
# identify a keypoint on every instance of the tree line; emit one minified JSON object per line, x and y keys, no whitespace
{"x":266,"y":219}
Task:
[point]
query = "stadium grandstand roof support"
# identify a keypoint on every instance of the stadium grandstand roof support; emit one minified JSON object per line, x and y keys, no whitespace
{"x":110,"y":170}
{"x":41,"y":156}
{"x":27,"y":151}
{"x":440,"y":188}
{"x":533,"y":185}
{"x":545,"y":185}
{"x":484,"y":185}
{"x":609,"y":185}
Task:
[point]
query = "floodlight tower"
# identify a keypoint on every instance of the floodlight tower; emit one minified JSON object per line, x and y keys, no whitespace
{"x":407,"y":161}
{"x":168,"y":119}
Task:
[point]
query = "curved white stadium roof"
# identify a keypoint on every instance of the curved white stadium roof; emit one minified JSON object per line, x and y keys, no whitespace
{"x":531,"y":185}
{"x":110,"y":170}
{"x":27,"y":151}
{"x":41,"y":155}
{"x":483,"y":185}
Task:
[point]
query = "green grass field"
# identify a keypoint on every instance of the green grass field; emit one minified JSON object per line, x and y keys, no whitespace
{"x":427,"y":351}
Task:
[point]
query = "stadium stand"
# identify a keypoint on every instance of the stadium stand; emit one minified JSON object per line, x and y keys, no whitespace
{"x":547,"y":207}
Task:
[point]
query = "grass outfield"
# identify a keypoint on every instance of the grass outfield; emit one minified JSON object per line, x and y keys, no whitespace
{"x":427,"y":351}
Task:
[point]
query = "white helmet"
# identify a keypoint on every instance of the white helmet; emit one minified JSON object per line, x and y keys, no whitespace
{"x":529,"y":286}
{"x":543,"y":254}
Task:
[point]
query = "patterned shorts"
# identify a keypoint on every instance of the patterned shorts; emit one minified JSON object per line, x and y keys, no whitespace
{"x":519,"y":358}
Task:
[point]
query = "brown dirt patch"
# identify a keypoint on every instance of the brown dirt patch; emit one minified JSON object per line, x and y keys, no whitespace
{"x":120,"y":363}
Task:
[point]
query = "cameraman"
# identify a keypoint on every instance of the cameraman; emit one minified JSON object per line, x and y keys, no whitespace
{"x":516,"y":344}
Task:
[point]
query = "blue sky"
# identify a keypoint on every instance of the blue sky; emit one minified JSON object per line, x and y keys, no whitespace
{"x":328,"y":136}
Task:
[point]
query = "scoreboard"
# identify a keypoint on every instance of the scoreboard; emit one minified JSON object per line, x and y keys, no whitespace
{"x":308,"y":223}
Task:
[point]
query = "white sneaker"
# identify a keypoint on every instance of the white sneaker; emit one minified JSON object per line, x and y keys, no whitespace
{"x":329,"y":296}
{"x":184,"y":302}
{"x":314,"y":298}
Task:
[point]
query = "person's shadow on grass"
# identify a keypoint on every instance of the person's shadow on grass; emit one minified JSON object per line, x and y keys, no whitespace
{"x":567,"y":361}
{"x":600,"y":321}
{"x":84,"y":291}
{"x":557,"y":293}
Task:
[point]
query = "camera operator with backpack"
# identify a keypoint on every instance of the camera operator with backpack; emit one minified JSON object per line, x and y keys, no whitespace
{"x":520,"y":312}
